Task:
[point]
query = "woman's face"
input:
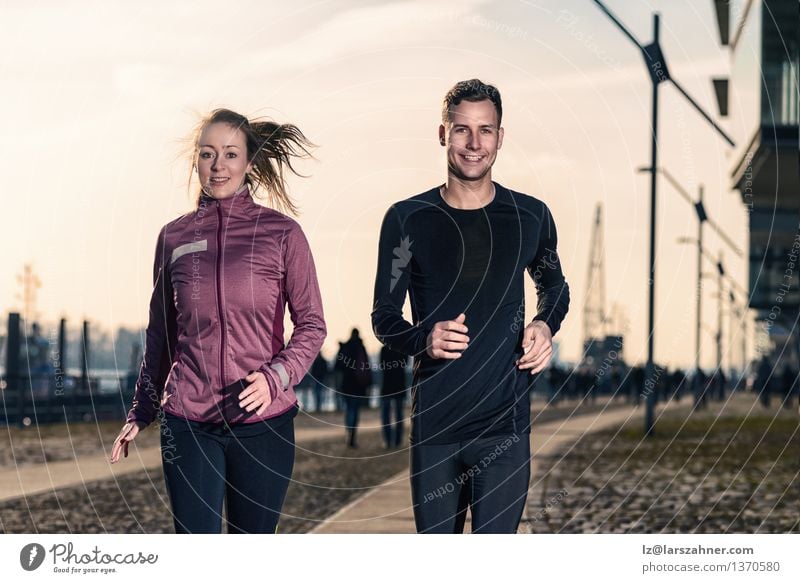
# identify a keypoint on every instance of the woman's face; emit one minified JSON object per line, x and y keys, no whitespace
{"x":222,"y":160}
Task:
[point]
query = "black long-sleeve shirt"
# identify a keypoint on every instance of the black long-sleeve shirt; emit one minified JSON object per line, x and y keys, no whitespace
{"x":450,"y":261}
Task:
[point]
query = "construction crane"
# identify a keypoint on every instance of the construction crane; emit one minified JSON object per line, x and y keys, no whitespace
{"x":594,"y":308}
{"x":598,"y":346}
{"x":30,"y":283}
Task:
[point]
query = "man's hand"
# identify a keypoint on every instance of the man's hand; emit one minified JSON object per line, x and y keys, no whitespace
{"x":256,"y":395}
{"x":537,"y":342}
{"x":448,"y":338}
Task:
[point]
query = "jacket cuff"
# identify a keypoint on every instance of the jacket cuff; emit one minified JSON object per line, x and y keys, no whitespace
{"x":277,"y":377}
{"x":136,"y":417}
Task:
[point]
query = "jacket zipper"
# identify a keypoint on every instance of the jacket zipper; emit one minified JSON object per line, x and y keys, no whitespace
{"x":222,"y":351}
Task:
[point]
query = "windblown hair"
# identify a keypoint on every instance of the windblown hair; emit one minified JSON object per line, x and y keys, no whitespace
{"x":270,"y":149}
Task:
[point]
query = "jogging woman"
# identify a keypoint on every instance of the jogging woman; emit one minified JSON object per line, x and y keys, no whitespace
{"x":216,"y":371}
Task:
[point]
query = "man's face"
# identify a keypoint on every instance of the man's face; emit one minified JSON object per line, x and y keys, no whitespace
{"x":472,"y":138}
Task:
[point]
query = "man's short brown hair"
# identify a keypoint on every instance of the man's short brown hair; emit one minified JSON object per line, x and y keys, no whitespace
{"x":471,"y":90}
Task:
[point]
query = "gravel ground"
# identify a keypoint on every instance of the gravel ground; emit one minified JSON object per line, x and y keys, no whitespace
{"x":20,"y":447}
{"x":731,"y":469}
{"x":326,"y":476}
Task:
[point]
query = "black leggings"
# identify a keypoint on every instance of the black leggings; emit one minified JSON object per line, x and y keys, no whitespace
{"x":488,"y":475}
{"x":249,"y":465}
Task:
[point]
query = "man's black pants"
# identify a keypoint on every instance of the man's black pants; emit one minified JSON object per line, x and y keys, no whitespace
{"x":489,"y":475}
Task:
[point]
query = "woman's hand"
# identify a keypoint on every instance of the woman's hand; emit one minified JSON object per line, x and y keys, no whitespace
{"x":257,"y":394}
{"x":129,"y":431}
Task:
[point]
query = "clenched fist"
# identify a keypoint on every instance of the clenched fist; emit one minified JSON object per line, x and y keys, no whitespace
{"x":448,"y":338}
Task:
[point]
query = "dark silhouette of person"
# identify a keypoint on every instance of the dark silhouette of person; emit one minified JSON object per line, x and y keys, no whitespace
{"x":763,"y":382}
{"x":338,"y":368}
{"x":353,"y":364}
{"x":637,"y":384}
{"x":700,"y":388}
{"x":319,"y":376}
{"x":720,"y":382}
{"x":616,"y":381}
{"x":679,"y":381}
{"x":393,"y":395}
{"x":789,"y":385}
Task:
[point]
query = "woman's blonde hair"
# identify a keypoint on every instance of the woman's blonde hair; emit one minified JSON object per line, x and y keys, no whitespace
{"x":270,"y":149}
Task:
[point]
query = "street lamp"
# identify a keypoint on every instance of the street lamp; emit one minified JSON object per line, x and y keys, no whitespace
{"x":738,"y":314}
{"x":720,"y":275}
{"x":699,"y":208}
{"x":657,"y":68}
{"x":698,"y":290}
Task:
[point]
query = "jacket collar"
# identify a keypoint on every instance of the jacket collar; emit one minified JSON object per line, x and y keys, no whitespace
{"x":239,"y":204}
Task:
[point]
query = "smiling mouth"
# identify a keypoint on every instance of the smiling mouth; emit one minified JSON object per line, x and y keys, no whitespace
{"x":471,"y":158}
{"x":217,"y":181}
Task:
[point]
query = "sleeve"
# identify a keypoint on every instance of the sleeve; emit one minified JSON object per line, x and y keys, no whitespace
{"x":288,"y":367}
{"x":391,"y":285}
{"x":552,"y":289}
{"x":160,"y":342}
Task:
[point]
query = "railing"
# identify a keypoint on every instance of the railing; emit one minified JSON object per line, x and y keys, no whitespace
{"x":39,"y":399}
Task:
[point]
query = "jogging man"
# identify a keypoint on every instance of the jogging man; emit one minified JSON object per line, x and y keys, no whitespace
{"x":460,"y":251}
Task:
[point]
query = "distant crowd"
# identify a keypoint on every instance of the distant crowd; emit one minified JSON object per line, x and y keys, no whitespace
{"x":353,"y":382}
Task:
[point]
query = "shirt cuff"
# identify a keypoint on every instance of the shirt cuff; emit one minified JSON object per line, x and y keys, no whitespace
{"x":549,"y":321}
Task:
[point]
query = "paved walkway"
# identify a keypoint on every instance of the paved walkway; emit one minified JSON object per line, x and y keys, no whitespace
{"x":384,"y":509}
{"x":47,"y":477}
{"x":387,"y":508}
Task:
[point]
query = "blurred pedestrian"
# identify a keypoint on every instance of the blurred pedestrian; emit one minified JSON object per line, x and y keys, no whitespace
{"x":356,"y":378}
{"x":393,"y":395}
{"x":789,"y":385}
{"x":763,"y":381}
{"x":319,"y":375}
{"x":700,"y":385}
